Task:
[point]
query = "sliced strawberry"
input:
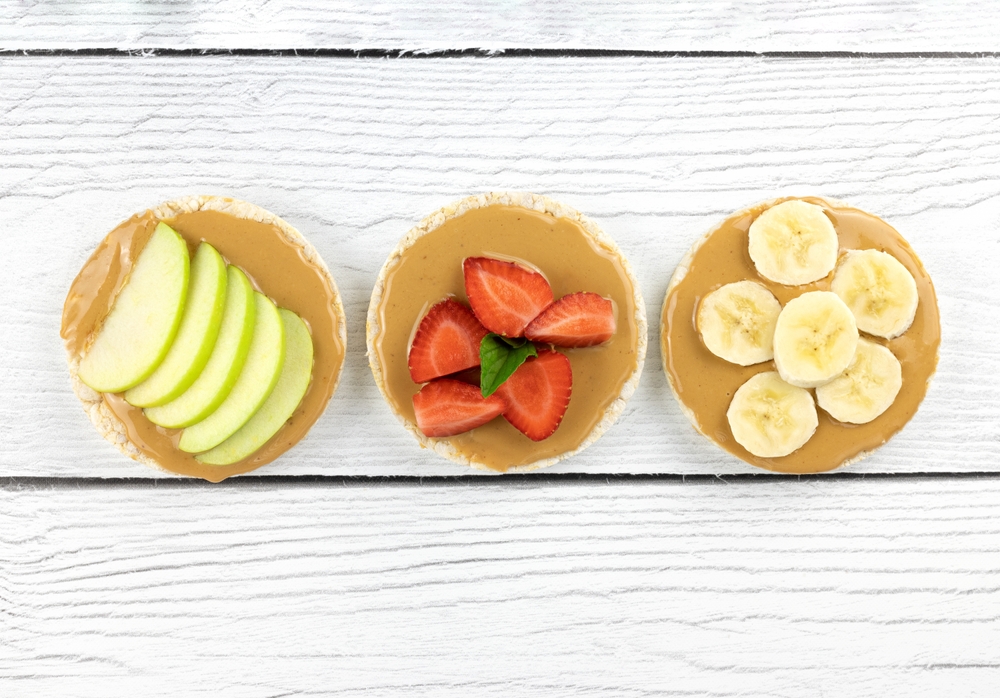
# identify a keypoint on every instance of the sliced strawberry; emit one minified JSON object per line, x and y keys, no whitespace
{"x":447,"y":341}
{"x":446,"y":407}
{"x":576,"y":320}
{"x":537,"y":394}
{"x":503,"y":295}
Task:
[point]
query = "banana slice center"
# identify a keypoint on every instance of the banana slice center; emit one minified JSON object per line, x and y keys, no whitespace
{"x":818,"y":342}
{"x":875,"y":290}
{"x":793,"y":244}
{"x":772,"y":412}
{"x":746,"y":318}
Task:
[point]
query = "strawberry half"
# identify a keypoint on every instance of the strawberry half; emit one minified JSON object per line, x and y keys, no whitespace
{"x":503,"y":295}
{"x":447,"y":341}
{"x":537,"y":394}
{"x":576,"y":320}
{"x":447,"y":407}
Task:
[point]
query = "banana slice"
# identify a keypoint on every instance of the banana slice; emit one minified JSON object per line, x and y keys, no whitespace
{"x":737,"y":321}
{"x":814,"y":339}
{"x":879,"y":290}
{"x":793,"y":243}
{"x":866,"y":389}
{"x":771,"y":418}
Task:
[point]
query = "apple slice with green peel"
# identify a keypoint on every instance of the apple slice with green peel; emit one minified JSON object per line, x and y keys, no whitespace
{"x":280,"y":404}
{"x":143,"y":321}
{"x":229,"y":354}
{"x":255,"y":383}
{"x":196,"y":336}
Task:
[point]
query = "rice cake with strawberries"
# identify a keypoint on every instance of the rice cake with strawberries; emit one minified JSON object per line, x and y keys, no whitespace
{"x":547,"y":291}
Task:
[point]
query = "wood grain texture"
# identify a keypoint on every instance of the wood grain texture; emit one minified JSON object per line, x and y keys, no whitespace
{"x":778,"y":589}
{"x":354,"y":152}
{"x":717,"y":25}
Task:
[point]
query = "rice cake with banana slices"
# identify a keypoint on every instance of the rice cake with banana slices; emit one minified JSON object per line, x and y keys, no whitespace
{"x":705,"y":374}
{"x":276,"y":259}
{"x":574,"y":255}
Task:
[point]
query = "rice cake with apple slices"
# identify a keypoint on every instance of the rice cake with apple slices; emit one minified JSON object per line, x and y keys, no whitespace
{"x":501,"y":235}
{"x":249,"y":237}
{"x":704,"y":384}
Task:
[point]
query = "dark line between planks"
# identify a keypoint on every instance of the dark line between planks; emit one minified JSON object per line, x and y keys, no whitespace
{"x":479,"y":53}
{"x":17,"y":483}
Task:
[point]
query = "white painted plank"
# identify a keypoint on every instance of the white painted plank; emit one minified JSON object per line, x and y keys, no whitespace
{"x":843,"y":588}
{"x":354,"y":152}
{"x":716,"y":25}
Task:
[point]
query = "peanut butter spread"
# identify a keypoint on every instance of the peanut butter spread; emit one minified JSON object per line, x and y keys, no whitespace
{"x":570,"y":259}
{"x":275,"y":266}
{"x":705,"y":384}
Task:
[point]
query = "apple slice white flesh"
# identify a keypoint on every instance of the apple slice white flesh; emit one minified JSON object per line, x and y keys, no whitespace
{"x":255,"y":383}
{"x":280,"y":404}
{"x":224,"y":365}
{"x":143,"y":321}
{"x":196,"y":336}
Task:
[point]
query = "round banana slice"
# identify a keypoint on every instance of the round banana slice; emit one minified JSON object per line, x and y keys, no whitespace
{"x":866,"y":389}
{"x":737,"y":322}
{"x":814,"y":339}
{"x":793,"y":243}
{"x":879,"y":291}
{"x":771,"y":418}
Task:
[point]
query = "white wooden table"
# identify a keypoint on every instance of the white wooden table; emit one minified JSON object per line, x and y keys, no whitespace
{"x":652,"y":564}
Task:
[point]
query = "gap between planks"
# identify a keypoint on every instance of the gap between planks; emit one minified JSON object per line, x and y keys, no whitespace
{"x":320,"y":52}
{"x":513,"y":480}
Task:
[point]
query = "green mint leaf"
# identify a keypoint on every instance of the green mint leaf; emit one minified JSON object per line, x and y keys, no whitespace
{"x":499,"y":360}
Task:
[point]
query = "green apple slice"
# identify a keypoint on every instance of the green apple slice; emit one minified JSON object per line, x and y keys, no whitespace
{"x":224,"y":365}
{"x":255,"y":383}
{"x":196,"y":336}
{"x":143,"y":321}
{"x":280,"y":404}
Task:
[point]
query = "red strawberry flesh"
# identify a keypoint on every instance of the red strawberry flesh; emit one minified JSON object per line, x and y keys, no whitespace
{"x":503,"y":295}
{"x":576,"y":320}
{"x":447,"y":341}
{"x":537,"y":394}
{"x":446,"y":407}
